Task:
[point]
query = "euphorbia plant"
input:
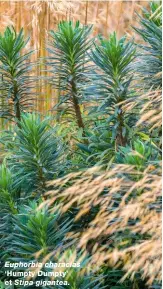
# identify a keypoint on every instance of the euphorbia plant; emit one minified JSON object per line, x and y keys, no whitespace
{"x":114,"y":58}
{"x":69,"y":62}
{"x":149,"y":61}
{"x":16,"y":85}
{"x":37,"y":154}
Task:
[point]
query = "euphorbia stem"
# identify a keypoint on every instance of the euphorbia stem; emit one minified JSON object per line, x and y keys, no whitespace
{"x":16,"y":102}
{"x":121,"y":140}
{"x":77,"y":107}
{"x":17,"y":113}
{"x":78,"y":113}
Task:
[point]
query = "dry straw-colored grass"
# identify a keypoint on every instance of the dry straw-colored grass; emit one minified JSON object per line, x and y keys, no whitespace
{"x":148,"y":106}
{"x":38,"y":17}
{"x":128,"y":201}
{"x":86,"y":192}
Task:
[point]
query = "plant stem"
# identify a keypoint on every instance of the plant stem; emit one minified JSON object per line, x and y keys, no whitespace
{"x":121,"y":140}
{"x":77,"y":107}
{"x":17,"y":103}
{"x":18,"y":115}
{"x":42,"y":182}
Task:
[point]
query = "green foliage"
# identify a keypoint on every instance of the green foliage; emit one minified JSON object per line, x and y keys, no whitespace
{"x":15,"y":83}
{"x":2,"y":286}
{"x":37,"y":155}
{"x":100,"y":148}
{"x":113,"y":279}
{"x":8,"y":208}
{"x":154,"y":14}
{"x":36,"y":230}
{"x":81,"y":277}
{"x":91,"y":97}
{"x":7,"y":193}
{"x":114,"y":58}
{"x":140,"y":155}
{"x":5,"y":178}
{"x":149,"y":61}
{"x":8,"y":199}
{"x":89,"y":281}
{"x":69,"y":62}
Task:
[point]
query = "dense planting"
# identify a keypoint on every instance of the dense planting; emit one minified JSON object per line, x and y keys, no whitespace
{"x":85,"y":183}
